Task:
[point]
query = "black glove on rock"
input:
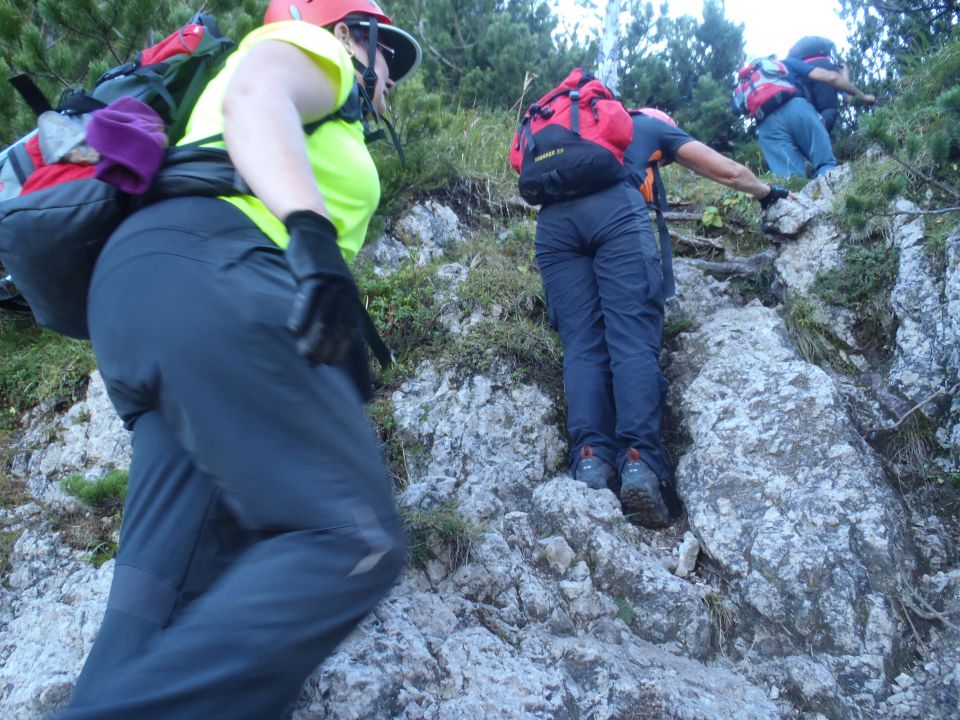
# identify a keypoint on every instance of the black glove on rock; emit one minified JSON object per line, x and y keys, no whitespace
{"x":326,"y":310}
{"x":776,"y":193}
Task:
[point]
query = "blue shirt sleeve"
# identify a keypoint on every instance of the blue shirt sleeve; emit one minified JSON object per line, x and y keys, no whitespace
{"x":797,"y":66}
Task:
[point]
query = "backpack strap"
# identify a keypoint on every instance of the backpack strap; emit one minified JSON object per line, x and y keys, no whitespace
{"x":20,"y":161}
{"x":198,"y":84}
{"x":31,"y":94}
{"x":575,"y":111}
{"x":666,"y":252}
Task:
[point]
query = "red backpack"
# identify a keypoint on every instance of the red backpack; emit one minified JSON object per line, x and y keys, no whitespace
{"x":571,"y":142}
{"x":763,"y":85}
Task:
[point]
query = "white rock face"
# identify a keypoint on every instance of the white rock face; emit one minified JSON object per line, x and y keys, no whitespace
{"x":428,"y":228}
{"x":811,"y":246}
{"x":924,"y":332}
{"x":778,"y":600}
{"x":952,"y":300}
{"x":787,"y":499}
{"x":51,"y":613}
{"x":554,"y":611}
{"x":89,"y":439}
{"x":386,"y":255}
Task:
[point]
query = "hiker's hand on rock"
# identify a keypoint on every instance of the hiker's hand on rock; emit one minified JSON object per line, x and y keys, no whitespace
{"x":325,"y":317}
{"x":777,"y":192}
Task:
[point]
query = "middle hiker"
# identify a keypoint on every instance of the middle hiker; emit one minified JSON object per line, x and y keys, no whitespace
{"x":606,"y":279}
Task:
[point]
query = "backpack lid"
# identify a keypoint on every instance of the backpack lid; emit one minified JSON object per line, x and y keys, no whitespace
{"x":813,"y":46}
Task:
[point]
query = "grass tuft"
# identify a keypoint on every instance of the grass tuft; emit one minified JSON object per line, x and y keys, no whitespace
{"x":439,"y":533}
{"x":107,"y":493}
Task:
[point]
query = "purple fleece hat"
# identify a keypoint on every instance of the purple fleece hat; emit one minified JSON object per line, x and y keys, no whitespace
{"x":131,"y":139}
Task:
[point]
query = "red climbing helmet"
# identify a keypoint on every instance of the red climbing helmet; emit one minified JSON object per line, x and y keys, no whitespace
{"x":658,"y":114}
{"x":324,"y":13}
{"x":401,"y":51}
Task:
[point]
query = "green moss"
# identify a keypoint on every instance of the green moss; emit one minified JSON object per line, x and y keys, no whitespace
{"x":859,"y":209}
{"x":496,"y":282}
{"x":104,"y":551}
{"x":38,"y":366}
{"x":109,"y":492}
{"x":405,"y":311}
{"x":532,"y":351}
{"x":862,"y":283}
{"x":913,"y":446}
{"x":7,"y":541}
{"x":441,"y":529}
{"x":675,"y":324}
{"x":814,"y":342}
{"x":400,"y":451}
{"x":90,"y":532}
{"x":625,"y":610}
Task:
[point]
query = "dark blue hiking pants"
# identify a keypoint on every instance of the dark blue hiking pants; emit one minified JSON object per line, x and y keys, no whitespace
{"x":600,"y":264}
{"x":259,"y":525}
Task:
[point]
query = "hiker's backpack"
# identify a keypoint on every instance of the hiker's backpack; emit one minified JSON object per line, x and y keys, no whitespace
{"x":571,"y":141}
{"x":763,"y":85}
{"x":55,"y":218}
{"x":819,"y":52}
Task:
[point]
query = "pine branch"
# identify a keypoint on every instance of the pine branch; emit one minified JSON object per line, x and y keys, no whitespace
{"x":933,"y":396}
{"x":934,"y":211}
{"x":927,"y":178}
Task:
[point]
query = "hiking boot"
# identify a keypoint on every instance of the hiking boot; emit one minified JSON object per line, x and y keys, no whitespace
{"x":640,"y":493}
{"x":593,"y":471}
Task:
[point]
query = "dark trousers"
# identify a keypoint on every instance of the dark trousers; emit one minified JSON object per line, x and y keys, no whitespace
{"x":602,"y":276}
{"x":259,"y":526}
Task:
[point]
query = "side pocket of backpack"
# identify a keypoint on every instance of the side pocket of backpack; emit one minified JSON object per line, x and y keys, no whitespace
{"x":49,"y":242}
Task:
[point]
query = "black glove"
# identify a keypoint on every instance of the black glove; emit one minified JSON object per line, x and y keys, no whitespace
{"x":326,"y":310}
{"x":776,"y":193}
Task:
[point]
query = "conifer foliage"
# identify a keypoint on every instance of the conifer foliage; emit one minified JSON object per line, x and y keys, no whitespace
{"x":70,"y":43}
{"x":485,"y":52}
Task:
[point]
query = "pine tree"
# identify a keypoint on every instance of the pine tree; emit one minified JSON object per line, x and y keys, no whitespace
{"x":883,"y":35}
{"x":481,"y":52}
{"x":686,"y":68}
{"x":70,"y":43}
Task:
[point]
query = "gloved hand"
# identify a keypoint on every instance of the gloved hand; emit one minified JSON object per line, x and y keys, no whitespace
{"x":326,"y":310}
{"x":776,"y":193}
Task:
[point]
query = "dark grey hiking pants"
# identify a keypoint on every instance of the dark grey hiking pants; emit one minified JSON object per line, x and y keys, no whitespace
{"x":259,"y":526}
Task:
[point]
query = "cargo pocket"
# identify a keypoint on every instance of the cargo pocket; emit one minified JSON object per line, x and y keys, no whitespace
{"x":654,"y":271}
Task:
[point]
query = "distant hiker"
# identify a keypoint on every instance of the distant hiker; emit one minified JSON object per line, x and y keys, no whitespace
{"x":259,"y":526}
{"x":789,"y":129}
{"x":821,"y":52}
{"x":605,"y":281}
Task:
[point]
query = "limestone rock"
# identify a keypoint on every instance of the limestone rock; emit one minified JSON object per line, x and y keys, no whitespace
{"x":787,"y":499}
{"x":923,"y":344}
{"x":428,"y":228}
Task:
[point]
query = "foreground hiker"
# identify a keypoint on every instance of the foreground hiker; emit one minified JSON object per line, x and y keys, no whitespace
{"x":605,"y":280}
{"x":259,"y":526}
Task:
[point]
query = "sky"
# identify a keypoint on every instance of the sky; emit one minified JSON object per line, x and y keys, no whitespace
{"x":770,"y":26}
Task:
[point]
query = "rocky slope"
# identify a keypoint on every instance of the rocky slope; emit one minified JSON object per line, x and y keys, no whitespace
{"x":802,"y":582}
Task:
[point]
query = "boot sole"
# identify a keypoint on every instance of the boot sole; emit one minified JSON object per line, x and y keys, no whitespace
{"x":643,"y":508}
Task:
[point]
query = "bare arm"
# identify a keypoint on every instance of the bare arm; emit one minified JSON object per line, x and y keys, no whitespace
{"x":277,"y":89}
{"x":841,"y":82}
{"x":708,"y":163}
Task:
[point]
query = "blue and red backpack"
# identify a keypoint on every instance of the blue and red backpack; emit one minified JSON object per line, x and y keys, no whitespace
{"x":763,"y":85}
{"x":571,"y":142}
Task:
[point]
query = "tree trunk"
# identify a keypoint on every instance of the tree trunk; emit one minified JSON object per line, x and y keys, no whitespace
{"x":610,"y":46}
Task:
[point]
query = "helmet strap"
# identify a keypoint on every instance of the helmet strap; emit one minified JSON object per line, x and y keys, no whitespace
{"x":369,"y":72}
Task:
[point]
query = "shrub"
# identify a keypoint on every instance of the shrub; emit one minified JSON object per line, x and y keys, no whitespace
{"x":109,"y":492}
